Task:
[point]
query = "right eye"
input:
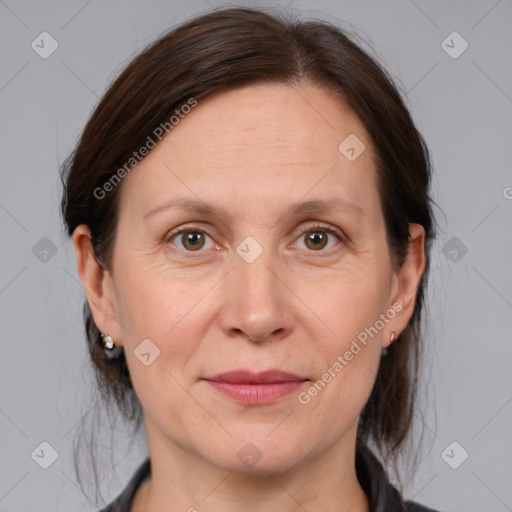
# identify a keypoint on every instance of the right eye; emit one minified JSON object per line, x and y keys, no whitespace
{"x":191,"y":238}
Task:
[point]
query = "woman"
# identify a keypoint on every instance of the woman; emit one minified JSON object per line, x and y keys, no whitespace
{"x":249,"y":204}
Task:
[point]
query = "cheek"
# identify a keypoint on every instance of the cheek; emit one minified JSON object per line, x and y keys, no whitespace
{"x":155,"y":306}
{"x":151,"y":299}
{"x":350,"y":304}
{"x":169,"y":310}
{"x":350,"y":300}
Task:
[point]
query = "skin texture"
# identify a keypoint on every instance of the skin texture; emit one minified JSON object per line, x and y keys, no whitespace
{"x":256,"y":151}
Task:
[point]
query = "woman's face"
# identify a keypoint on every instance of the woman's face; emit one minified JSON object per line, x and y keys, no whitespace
{"x":262,"y":284}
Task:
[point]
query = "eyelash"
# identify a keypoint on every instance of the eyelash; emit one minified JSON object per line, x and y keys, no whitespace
{"x":320,"y":227}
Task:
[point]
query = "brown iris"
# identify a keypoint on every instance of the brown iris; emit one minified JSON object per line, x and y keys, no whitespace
{"x":193,"y":240}
{"x":317,"y":238}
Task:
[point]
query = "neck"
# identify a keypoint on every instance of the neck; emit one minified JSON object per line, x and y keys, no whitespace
{"x":181,"y":481}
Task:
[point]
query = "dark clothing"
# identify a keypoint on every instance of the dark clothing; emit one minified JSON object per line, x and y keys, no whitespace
{"x":382,"y":495}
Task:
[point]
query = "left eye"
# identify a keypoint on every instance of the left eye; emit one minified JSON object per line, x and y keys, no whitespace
{"x":317,"y":238}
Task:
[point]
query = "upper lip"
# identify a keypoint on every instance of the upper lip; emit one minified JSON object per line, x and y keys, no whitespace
{"x":250,"y":377}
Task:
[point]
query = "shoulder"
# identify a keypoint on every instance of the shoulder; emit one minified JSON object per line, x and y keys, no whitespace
{"x":412,"y":506}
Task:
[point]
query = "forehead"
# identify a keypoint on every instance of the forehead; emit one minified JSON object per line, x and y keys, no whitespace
{"x":257,"y":145}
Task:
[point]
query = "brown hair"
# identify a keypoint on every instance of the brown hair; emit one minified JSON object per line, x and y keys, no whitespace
{"x":226,"y":49}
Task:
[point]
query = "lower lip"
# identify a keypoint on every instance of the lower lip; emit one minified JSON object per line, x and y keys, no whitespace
{"x":257,"y":394}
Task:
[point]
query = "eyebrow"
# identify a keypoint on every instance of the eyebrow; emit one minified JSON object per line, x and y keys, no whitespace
{"x":202,"y":208}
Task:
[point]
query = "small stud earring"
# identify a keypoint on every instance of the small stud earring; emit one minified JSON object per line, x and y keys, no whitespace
{"x":107,"y":340}
{"x":392,"y":338}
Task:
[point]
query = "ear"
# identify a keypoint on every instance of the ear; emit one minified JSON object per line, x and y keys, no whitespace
{"x":406,"y":281}
{"x":97,"y":282}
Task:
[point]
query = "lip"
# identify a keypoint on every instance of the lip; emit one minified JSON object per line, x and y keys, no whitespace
{"x":250,"y":377}
{"x":255,"y":388}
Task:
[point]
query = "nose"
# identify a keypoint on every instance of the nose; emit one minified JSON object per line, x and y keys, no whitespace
{"x":258,"y":305}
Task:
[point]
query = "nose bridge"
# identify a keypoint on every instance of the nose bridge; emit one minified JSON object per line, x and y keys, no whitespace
{"x":256,"y":300}
{"x":258,"y":278}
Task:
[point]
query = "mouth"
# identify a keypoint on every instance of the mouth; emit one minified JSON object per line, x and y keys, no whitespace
{"x":254,"y":388}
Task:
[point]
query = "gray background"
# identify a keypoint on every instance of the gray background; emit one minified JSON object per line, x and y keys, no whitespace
{"x":463,"y":106}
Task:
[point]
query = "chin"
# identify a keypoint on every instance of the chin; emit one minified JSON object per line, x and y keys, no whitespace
{"x":257,"y":454}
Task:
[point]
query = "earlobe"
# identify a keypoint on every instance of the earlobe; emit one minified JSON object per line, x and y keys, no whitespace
{"x":97,"y":283}
{"x":409,"y":275}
